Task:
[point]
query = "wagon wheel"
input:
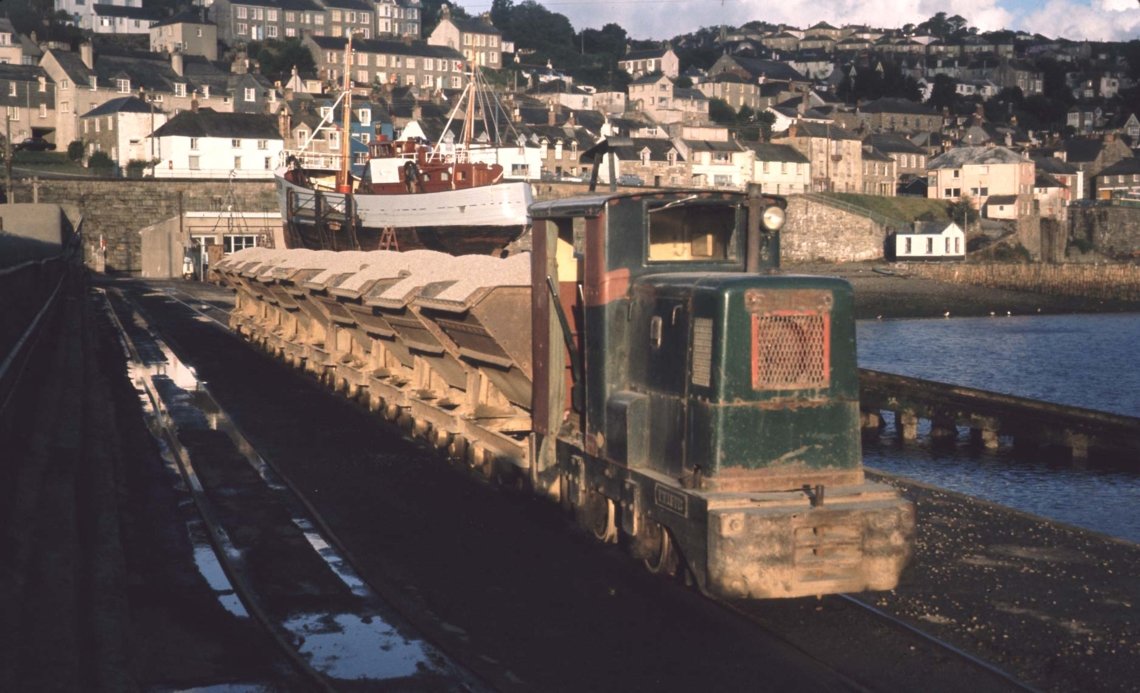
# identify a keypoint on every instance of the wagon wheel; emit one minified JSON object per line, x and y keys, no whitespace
{"x":596,"y":515}
{"x":662,"y":558}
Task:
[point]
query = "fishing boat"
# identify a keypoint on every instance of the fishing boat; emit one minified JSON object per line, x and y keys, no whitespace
{"x":410,"y":195}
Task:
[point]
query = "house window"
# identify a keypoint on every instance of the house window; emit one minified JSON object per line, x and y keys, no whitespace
{"x":271,"y":15}
{"x":291,"y":17}
{"x":179,"y":89}
{"x":242,"y":28}
{"x":65,"y":107}
{"x":271,"y":31}
{"x":250,"y":94}
{"x":11,"y":88}
{"x":242,"y":13}
{"x":364,"y":115}
{"x":908,"y":250}
{"x":194,"y":165}
{"x":290,"y":32}
{"x":235,"y":143}
{"x":362,"y":75}
{"x":947,"y":245}
{"x":43,"y":110}
{"x":193,"y":143}
{"x":929,"y":246}
{"x":124,"y":85}
{"x":268,"y":163}
{"x":237,"y":163}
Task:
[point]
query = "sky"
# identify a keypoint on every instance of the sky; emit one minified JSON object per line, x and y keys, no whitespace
{"x":1097,"y":20}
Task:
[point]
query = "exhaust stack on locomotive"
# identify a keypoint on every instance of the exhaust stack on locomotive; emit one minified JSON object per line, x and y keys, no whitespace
{"x":643,"y":364}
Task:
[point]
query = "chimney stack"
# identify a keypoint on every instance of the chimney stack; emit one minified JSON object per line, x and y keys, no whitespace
{"x":87,"y":54}
{"x":550,"y":115}
{"x":176,"y":62}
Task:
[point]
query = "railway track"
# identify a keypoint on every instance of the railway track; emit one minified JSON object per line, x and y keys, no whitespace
{"x":784,"y":620}
{"x":273,"y":552}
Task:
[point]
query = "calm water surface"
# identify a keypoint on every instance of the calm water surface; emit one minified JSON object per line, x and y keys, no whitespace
{"x":1081,"y":360}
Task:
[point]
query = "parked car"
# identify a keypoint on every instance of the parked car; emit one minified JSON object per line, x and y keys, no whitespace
{"x":34,"y":144}
{"x":630,"y":179}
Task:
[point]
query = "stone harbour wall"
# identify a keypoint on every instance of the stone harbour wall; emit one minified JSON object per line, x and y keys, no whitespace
{"x":116,"y":210}
{"x":1113,"y":230}
{"x":817,"y":232}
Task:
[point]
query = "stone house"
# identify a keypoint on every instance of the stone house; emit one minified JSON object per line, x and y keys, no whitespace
{"x":836,"y":155}
{"x":121,"y":128}
{"x":978,"y":173}
{"x":256,"y":20}
{"x":28,"y":96}
{"x":716,"y":163}
{"x":897,"y":115}
{"x":880,"y":173}
{"x":388,"y":62}
{"x":780,"y":169}
{"x":1121,"y":179}
{"x":477,"y":40}
{"x":646,"y":62}
{"x":1071,"y":177}
{"x":910,"y":159}
{"x":1091,"y":155}
{"x":656,"y":96}
{"x":188,"y":32}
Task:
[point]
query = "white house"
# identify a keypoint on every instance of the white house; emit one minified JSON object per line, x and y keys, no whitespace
{"x":780,"y":169}
{"x":931,"y":240}
{"x":206,"y":144}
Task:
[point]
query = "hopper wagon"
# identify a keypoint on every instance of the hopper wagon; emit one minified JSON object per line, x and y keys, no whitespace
{"x":645,"y":363}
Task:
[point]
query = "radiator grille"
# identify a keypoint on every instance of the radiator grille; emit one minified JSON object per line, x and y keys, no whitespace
{"x":702,"y":351}
{"x":790,"y":350}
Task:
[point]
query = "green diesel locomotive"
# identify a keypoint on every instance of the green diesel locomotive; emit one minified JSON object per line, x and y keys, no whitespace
{"x":645,"y":363}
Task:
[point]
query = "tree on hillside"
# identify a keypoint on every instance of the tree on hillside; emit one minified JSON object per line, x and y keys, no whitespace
{"x":721,"y":113}
{"x":278,"y":58}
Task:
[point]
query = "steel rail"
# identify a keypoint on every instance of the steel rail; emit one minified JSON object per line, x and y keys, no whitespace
{"x":900,"y":624}
{"x":12,"y":367}
{"x":215,"y":532}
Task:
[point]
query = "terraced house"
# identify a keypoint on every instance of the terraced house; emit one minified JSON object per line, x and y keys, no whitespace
{"x":256,"y":20}
{"x":477,"y":40}
{"x":28,"y":97}
{"x":388,"y":62}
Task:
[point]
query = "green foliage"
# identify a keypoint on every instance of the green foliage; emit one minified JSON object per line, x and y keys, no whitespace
{"x":100,"y":163}
{"x":278,"y":58}
{"x":962,"y":212}
{"x":75,"y":151}
{"x":943,"y":95}
{"x":720,"y":112}
{"x":886,"y":79}
{"x":136,"y":167}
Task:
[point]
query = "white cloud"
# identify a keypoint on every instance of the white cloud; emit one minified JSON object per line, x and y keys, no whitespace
{"x":663,"y":19}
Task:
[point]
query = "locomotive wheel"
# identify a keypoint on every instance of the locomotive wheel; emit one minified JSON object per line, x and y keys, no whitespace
{"x":440,"y":439}
{"x":662,"y":558}
{"x":457,"y":449}
{"x":597,"y":516}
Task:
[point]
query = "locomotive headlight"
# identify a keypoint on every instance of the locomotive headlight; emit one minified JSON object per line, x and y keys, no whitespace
{"x":773,"y":218}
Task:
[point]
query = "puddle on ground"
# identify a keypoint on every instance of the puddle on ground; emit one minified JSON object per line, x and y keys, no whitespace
{"x":348,"y":646}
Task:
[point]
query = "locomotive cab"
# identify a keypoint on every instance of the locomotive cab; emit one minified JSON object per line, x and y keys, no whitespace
{"x":701,"y":407}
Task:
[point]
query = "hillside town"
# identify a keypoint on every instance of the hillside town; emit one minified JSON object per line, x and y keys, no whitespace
{"x":791,"y":110}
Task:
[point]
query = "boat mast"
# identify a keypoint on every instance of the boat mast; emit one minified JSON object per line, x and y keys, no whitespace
{"x":469,"y":117}
{"x":343,"y":181}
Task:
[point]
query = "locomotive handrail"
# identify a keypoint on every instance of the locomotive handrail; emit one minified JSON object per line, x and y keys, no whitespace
{"x":575,"y":365}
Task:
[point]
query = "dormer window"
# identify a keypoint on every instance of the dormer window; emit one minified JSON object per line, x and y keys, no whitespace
{"x":179,"y":89}
{"x":326,"y":112}
{"x":123,"y":85}
{"x":364,"y":115}
{"x":205,"y":91}
{"x":250,"y":94}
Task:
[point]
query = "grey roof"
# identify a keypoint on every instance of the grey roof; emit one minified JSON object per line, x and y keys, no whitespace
{"x":72,"y":66}
{"x":191,"y":16}
{"x":128,"y":12}
{"x":825,"y":130}
{"x":473,"y":26}
{"x":891,"y":142}
{"x":1127,"y":166}
{"x":930,"y":227}
{"x":209,"y":123}
{"x":766,"y":151}
{"x":416,"y":48}
{"x":890,"y":105}
{"x":296,"y":5}
{"x":872,"y":154}
{"x":1082,"y":149}
{"x":1001,"y":200}
{"x":650,"y":78}
{"x":771,"y":69}
{"x":713,"y":146}
{"x":123,"y":104}
{"x":1054,"y":165}
{"x":644,"y":54}
{"x":358,"y":5}
{"x":961,"y":156}
{"x":1044,"y":180}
